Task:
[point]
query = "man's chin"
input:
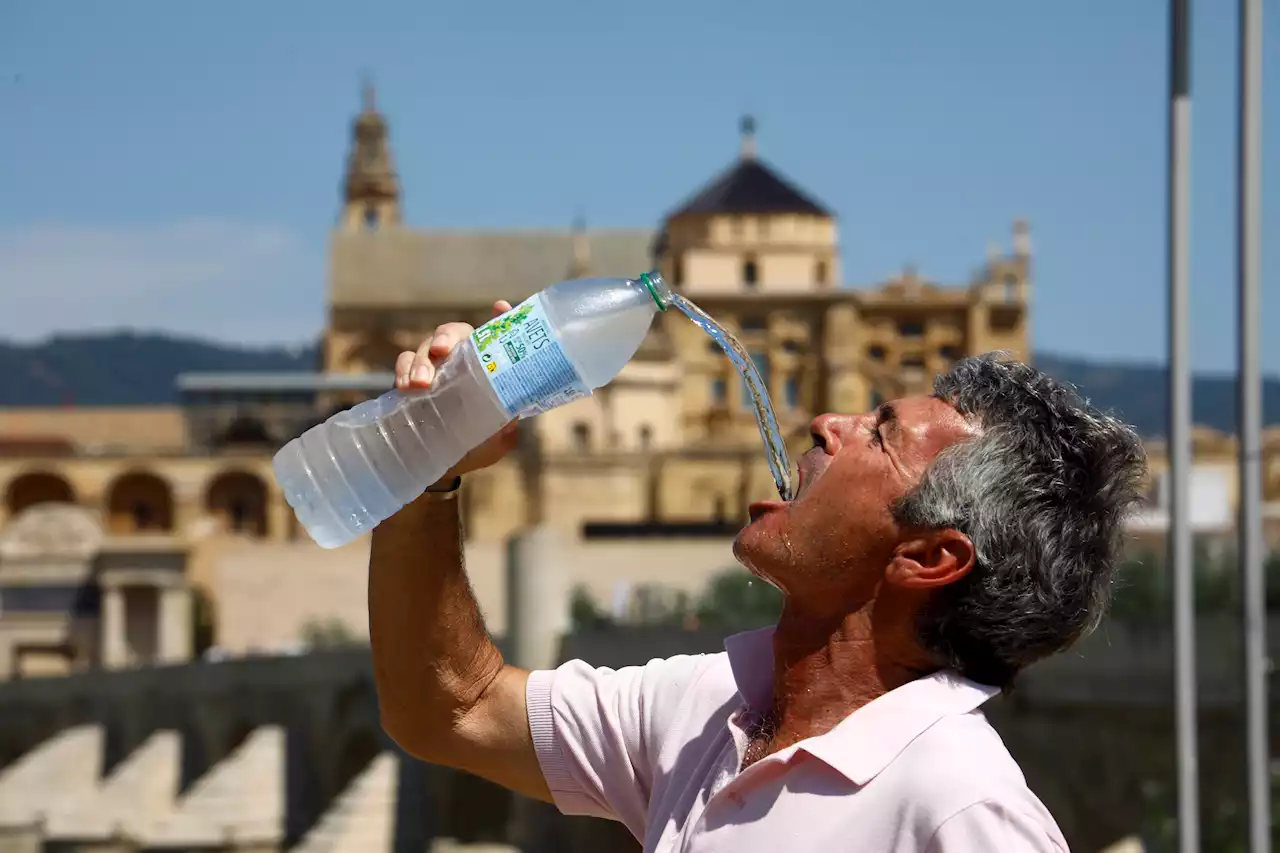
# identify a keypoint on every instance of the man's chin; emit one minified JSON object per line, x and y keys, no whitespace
{"x":757,"y":552}
{"x":753,"y":541}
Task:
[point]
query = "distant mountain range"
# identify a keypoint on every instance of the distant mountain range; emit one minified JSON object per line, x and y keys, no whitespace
{"x":1139,"y":392}
{"x":126,"y":369}
{"x":123,"y":369}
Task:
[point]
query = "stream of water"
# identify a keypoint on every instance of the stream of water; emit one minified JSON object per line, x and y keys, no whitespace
{"x":775,"y":449}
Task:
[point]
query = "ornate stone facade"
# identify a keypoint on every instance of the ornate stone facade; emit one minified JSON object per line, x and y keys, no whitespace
{"x":673,"y":439}
{"x":669,"y":449}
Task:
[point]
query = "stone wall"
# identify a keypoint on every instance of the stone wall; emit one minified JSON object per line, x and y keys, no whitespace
{"x":1092,"y":730}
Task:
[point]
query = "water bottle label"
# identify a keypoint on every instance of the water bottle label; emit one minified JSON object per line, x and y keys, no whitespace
{"x":525,"y":362}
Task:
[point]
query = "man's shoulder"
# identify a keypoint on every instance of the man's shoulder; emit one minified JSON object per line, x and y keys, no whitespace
{"x":964,"y":784}
{"x":958,"y":762}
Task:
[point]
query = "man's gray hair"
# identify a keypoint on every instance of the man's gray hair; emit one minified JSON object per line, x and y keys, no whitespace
{"x":1042,"y":491}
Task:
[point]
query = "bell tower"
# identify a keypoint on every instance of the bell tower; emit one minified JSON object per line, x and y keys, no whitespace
{"x":371,"y":189}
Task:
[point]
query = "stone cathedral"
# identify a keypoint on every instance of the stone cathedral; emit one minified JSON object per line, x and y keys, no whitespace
{"x":673,"y":440}
{"x":646,"y":481}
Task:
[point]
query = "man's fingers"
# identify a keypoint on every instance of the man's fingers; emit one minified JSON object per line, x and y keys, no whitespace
{"x":446,"y":338}
{"x":404,"y":363}
{"x":434,"y":350}
{"x":422,"y":371}
{"x":418,"y":369}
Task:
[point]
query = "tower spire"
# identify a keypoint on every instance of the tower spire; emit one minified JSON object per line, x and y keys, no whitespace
{"x":371,"y":190}
{"x":1021,"y":238}
{"x":747,"y":132}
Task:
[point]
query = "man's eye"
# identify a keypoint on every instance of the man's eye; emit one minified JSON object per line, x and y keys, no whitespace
{"x":876,"y":438}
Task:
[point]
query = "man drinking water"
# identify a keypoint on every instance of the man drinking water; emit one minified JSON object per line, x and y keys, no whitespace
{"x":935,"y":548}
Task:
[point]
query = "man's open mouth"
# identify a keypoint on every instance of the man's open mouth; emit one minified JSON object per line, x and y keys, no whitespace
{"x":806,"y":473}
{"x":758,"y":509}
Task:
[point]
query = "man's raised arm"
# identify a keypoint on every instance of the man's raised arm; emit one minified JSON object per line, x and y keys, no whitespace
{"x":444,"y":692}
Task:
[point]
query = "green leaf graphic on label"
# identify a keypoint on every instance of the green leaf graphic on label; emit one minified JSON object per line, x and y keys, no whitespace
{"x":494,"y":329}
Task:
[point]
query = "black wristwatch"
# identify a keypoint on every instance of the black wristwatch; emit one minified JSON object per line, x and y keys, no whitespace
{"x":449,"y":489}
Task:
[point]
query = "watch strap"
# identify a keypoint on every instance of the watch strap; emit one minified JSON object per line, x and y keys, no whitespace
{"x":445,"y":490}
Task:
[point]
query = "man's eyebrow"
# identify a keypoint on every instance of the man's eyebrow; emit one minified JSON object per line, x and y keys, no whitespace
{"x":886,"y":414}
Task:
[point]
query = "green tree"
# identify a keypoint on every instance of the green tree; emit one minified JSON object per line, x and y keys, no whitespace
{"x":1272,"y":570}
{"x":584,"y":613}
{"x":736,"y":600}
{"x":330,"y":633}
{"x":1143,"y":591}
{"x":1217,"y":576}
{"x":1140,"y":592}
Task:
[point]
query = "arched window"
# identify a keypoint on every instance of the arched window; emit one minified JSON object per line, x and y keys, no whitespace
{"x":239,"y":500}
{"x":37,"y":488}
{"x":140,"y":502}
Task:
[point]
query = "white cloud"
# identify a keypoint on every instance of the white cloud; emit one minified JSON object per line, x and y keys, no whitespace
{"x":226,"y":280}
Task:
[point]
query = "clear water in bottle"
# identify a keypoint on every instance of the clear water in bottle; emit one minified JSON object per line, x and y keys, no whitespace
{"x":345,"y":476}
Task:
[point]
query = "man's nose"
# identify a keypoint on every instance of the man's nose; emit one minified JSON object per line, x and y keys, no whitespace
{"x":829,"y":430}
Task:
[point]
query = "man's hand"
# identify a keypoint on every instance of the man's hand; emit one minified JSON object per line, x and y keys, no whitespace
{"x":416,"y":370}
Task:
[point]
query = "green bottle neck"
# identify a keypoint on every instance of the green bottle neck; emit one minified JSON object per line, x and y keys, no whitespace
{"x":657,"y":288}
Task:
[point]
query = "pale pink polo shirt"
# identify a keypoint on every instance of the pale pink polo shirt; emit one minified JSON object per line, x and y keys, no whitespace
{"x":658,"y":747}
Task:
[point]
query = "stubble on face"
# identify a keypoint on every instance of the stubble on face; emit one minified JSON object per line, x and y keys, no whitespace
{"x":832,"y":542}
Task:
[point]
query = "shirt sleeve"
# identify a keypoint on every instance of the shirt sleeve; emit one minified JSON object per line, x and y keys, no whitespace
{"x":598,"y":732}
{"x":991,"y":826}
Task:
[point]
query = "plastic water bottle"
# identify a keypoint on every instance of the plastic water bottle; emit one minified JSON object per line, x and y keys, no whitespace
{"x":348,"y":474}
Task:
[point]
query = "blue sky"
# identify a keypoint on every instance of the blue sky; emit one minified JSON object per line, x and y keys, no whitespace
{"x":176,"y":166}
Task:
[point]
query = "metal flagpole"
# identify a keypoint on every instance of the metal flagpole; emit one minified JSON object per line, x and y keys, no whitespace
{"x":1184,"y":626}
{"x":1248,"y":269}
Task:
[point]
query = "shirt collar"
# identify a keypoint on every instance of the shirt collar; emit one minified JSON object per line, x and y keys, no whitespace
{"x":751,"y":662}
{"x":866,"y":741}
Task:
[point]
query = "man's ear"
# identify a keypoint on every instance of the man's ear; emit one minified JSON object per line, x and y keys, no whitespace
{"x":932,"y":559}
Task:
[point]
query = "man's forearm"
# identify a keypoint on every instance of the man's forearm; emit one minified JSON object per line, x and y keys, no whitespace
{"x":432,"y":657}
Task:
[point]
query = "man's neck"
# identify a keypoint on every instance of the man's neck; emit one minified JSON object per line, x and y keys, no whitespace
{"x":824,"y":670}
